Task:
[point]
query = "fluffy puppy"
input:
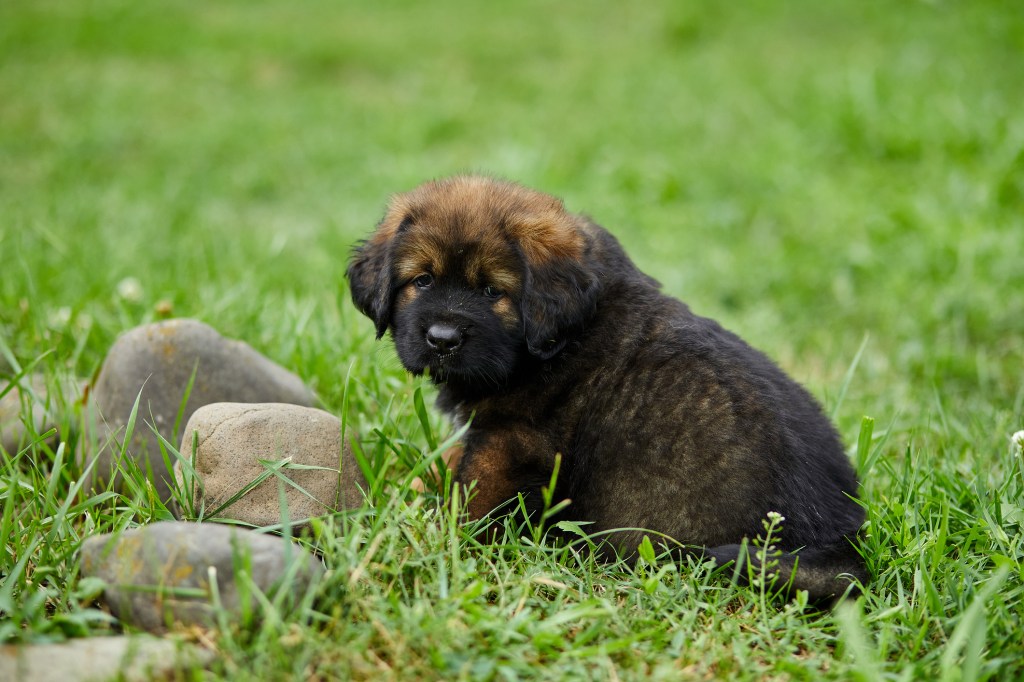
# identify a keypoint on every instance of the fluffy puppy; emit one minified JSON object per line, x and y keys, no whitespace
{"x":543,"y":334}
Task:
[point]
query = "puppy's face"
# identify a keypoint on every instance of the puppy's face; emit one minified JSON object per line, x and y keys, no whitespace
{"x":471,"y":274}
{"x":456,"y":306}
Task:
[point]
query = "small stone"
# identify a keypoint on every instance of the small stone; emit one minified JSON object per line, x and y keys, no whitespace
{"x":158,"y":360}
{"x":232,"y":438}
{"x":164,"y":573}
{"x":45,"y":408}
{"x":100,"y":659}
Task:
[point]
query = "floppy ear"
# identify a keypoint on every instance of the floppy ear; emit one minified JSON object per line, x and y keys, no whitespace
{"x":558,"y":298}
{"x":371,"y":281}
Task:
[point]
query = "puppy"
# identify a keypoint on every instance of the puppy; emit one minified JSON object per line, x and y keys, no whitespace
{"x":544,"y":336}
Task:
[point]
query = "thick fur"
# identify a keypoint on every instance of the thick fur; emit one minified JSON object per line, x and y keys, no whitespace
{"x":665,"y":421}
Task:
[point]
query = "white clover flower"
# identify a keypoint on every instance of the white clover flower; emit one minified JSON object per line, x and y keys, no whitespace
{"x":60,"y":317}
{"x":130,"y":289}
{"x":1018,"y":441}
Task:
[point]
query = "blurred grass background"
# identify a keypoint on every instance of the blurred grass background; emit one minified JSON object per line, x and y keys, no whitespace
{"x":811,"y":174}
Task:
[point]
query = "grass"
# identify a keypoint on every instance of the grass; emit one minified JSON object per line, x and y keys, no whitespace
{"x":819,"y":177}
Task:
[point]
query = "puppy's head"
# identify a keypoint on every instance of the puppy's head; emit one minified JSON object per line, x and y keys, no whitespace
{"x":471,"y":274}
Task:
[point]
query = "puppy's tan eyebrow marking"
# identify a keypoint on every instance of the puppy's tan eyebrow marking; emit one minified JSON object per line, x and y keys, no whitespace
{"x":419,"y":254}
{"x":506,"y":312}
{"x":505,"y":280}
{"x":490,"y":264}
{"x":406,"y":296}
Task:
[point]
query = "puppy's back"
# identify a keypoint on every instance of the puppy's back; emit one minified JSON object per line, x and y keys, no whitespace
{"x":691,"y":432}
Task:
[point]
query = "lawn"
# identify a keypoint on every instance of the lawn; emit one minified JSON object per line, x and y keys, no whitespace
{"x":840,"y":183}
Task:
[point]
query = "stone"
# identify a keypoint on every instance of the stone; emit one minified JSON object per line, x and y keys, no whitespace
{"x":231,"y":440}
{"x":45,"y":408}
{"x":98,"y":659}
{"x":165,"y":573}
{"x":157,"y":361}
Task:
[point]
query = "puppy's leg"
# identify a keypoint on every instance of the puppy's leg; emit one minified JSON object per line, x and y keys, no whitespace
{"x":434,"y":475}
{"x":504,"y":464}
{"x":827,"y":573}
{"x":495,"y":481}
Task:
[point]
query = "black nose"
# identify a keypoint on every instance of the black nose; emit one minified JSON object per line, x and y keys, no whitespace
{"x":444,"y":338}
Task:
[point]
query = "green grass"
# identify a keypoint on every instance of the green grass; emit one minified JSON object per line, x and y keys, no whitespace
{"x":817,"y":176}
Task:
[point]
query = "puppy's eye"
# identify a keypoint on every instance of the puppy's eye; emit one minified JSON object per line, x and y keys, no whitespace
{"x":424,"y":281}
{"x":493,"y":292}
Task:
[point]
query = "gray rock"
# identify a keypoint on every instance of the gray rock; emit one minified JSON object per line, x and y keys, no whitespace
{"x":44,"y":408}
{"x":98,"y":659}
{"x":165,"y":573}
{"x":232,"y":438}
{"x":158,"y":360}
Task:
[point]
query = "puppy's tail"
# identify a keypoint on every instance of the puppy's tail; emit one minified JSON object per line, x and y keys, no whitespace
{"x":827,"y":573}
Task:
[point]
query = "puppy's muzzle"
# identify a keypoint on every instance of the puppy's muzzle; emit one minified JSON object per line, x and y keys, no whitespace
{"x":444,"y":338}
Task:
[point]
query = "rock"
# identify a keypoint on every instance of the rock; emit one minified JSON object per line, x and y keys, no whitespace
{"x":100,"y":659}
{"x":163,"y":573}
{"x":158,"y":360}
{"x":45,"y":408}
{"x":233,"y":437}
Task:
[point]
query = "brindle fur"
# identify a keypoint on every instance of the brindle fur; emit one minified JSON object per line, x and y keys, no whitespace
{"x":664,"y":420}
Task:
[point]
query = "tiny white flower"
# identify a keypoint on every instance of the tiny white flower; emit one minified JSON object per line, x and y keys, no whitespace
{"x":60,"y":317}
{"x":130,"y":289}
{"x":1018,"y":440}
{"x":776,"y":517}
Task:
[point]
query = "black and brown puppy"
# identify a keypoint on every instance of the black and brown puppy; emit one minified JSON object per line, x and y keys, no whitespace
{"x":538,"y":327}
